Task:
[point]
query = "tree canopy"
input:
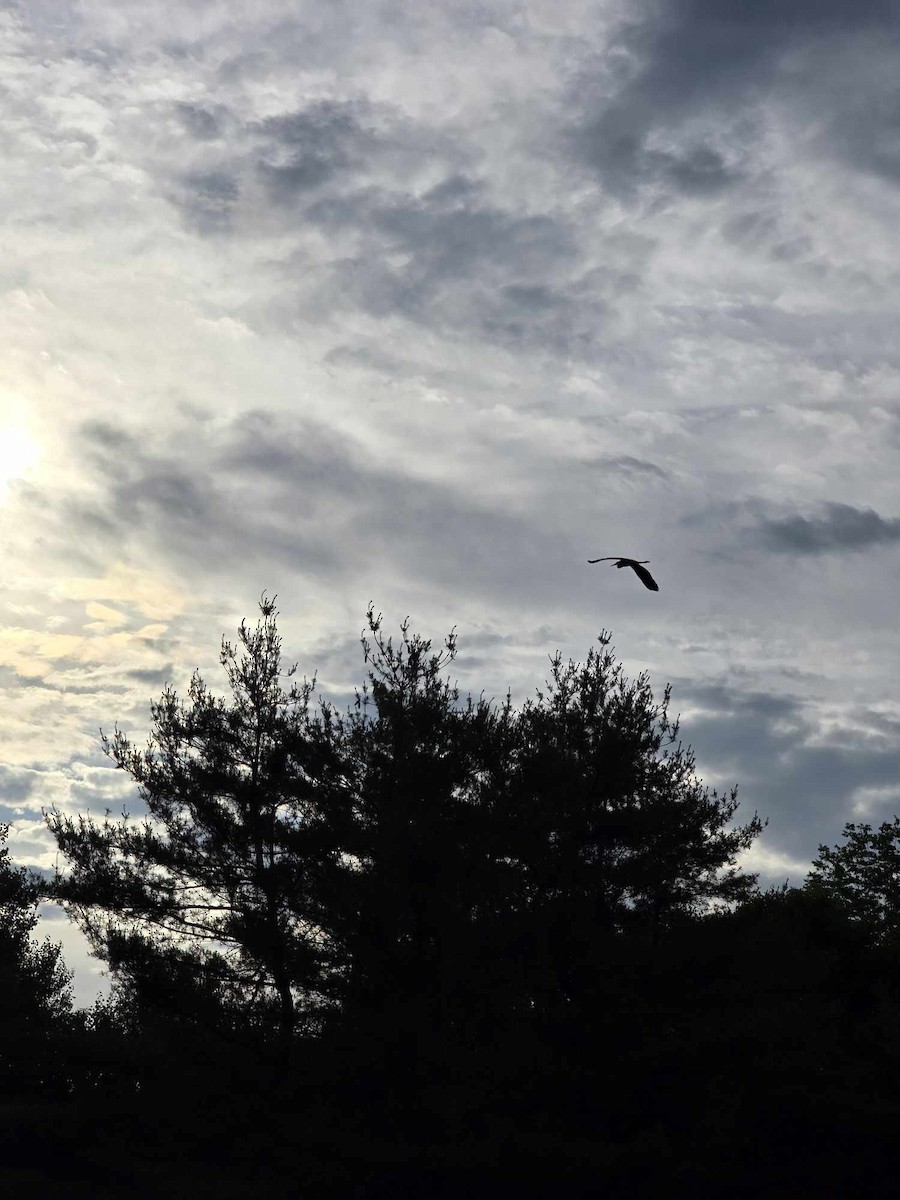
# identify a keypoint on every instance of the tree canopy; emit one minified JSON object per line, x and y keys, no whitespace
{"x":434,"y":943}
{"x":297,"y":861}
{"x":863,"y":875}
{"x":211,"y":888}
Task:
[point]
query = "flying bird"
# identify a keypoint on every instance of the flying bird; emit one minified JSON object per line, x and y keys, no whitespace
{"x":636,"y":565}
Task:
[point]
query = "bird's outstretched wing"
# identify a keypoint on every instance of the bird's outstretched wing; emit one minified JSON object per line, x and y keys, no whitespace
{"x":644,"y":576}
{"x":636,"y":565}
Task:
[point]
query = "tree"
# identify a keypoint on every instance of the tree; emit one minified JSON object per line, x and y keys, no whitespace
{"x":864,"y":876}
{"x":491,"y":853}
{"x":419,"y":867}
{"x":35,"y":987}
{"x":763,"y":1041}
{"x":472,"y":911}
{"x":610,"y":830}
{"x":204,"y":903}
{"x":422,"y":862}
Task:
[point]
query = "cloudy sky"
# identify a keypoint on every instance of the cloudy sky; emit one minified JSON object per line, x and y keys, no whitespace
{"x":425,"y":304}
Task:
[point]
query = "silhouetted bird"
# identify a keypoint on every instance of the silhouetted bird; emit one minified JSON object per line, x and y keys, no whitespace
{"x":635,"y":563}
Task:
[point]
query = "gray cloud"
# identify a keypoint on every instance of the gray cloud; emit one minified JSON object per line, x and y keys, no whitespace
{"x":628,"y":465}
{"x":182,"y":504}
{"x":696,"y":47}
{"x":205,"y":123}
{"x":449,"y":260}
{"x":702,"y":171}
{"x":305,"y":149}
{"x":156,"y":677}
{"x":616,"y":145}
{"x":17,"y":784}
{"x":800,"y":778}
{"x":411,"y":522}
{"x":839,"y":527}
{"x":695,"y":61}
{"x":861,"y":131}
{"x":208,"y":199}
{"x":441,"y":255}
{"x":317,"y":500}
{"x":144,"y":488}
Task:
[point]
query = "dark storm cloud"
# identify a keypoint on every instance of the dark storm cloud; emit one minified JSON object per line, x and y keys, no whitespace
{"x":702,"y":171}
{"x":703,"y":58}
{"x":698,"y":47}
{"x":828,"y":528}
{"x":535,"y":297}
{"x":865,"y":132}
{"x":448,"y":234}
{"x":106,"y":438}
{"x":79,"y":680}
{"x":136,"y":492}
{"x":836,"y":527}
{"x":619,"y":153}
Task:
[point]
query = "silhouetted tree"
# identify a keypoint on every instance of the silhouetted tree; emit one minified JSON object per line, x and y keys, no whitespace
{"x":205,"y":903}
{"x":492,"y":861}
{"x":420,"y":873}
{"x":863,"y":874}
{"x":609,"y":828}
{"x":35,"y":987}
{"x":420,"y":852}
{"x":464,"y":897}
{"x":760,"y":1047}
{"x":514,"y":942}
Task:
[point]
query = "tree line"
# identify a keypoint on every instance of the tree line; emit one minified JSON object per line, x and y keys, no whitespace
{"x":434,"y":944}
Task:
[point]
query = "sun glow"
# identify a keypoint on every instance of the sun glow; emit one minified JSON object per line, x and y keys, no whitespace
{"x":19,"y":452}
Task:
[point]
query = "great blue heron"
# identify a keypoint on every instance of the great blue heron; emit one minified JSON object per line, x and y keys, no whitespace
{"x":635,"y":563}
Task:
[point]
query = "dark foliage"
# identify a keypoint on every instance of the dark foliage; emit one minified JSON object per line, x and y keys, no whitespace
{"x":35,"y":995}
{"x":206,"y":904}
{"x":863,"y":875}
{"x":438,"y":946}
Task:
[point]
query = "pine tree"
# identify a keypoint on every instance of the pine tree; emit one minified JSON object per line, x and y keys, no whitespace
{"x":205,"y":901}
{"x":35,"y":987}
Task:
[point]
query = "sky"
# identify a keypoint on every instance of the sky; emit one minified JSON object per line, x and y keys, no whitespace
{"x":425,"y":305}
